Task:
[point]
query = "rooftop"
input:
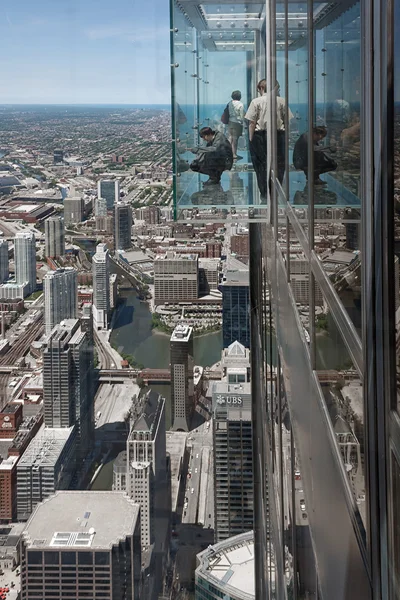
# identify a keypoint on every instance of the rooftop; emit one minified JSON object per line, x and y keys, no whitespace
{"x":181,"y":333}
{"x":46,"y":447}
{"x":176,"y":256}
{"x":8,"y":463}
{"x":10,"y":408}
{"x":147,"y":420}
{"x":82,"y":519}
{"x":229,"y":565}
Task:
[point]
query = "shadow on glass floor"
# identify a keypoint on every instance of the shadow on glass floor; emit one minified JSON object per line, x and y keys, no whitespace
{"x":238,"y":186}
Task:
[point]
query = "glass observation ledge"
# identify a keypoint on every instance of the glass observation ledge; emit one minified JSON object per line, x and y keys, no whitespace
{"x":215,"y":50}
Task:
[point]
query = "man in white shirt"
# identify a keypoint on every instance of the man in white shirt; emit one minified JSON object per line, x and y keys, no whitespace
{"x":257,"y":117}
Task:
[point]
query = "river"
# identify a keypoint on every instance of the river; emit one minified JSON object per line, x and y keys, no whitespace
{"x":132,"y":334}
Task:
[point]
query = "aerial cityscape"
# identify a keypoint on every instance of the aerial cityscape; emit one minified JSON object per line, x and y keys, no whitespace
{"x":199,"y":301}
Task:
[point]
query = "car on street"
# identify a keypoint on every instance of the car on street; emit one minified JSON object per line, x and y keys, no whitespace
{"x":197,"y":456}
{"x":192,"y":491}
{"x":195,"y":470}
{"x":302,"y":505}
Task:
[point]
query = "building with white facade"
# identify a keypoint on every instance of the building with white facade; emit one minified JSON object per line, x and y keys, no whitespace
{"x":60,"y":296}
{"x":226,"y":570}
{"x":47,"y":465}
{"x":101,"y":287}
{"x":176,"y":278}
{"x":25,"y":260}
{"x":146,"y":455}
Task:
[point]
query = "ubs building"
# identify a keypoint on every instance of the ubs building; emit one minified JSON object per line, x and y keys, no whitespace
{"x":324,"y":397}
{"x":233,"y":474}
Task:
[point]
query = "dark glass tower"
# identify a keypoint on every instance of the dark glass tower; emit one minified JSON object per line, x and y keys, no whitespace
{"x":235,"y":304}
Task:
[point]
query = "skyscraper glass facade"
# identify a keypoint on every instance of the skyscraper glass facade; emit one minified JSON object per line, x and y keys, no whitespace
{"x":324,"y":274}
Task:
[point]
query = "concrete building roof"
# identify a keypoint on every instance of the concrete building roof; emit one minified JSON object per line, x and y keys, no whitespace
{"x":229,"y":566}
{"x":46,"y":447}
{"x":181,"y":333}
{"x":145,"y":422}
{"x":8,"y":463}
{"x":85,"y":519}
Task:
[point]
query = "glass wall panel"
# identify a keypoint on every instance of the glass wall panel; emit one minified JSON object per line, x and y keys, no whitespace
{"x":336,"y":138}
{"x":343,"y":392}
{"x":217,"y":53}
{"x":396,"y":202}
{"x":298,"y":96}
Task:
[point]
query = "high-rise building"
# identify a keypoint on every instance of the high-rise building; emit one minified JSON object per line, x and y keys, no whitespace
{"x":58,"y":157}
{"x":232,"y":446}
{"x":74,"y":208}
{"x":25,"y":260}
{"x":101,"y":287}
{"x":122,"y":226}
{"x":182,"y":365}
{"x":68,"y":382}
{"x":54,"y":237}
{"x":100,"y":207}
{"x":146,"y":456}
{"x":226,"y":569}
{"x":235,"y":303}
{"x":4,"y":266}
{"x":148,"y":214}
{"x":47,"y":465}
{"x":8,"y":488}
{"x":109,"y":190}
{"x":176,"y":278}
{"x":60,"y":296}
{"x":82,"y":545}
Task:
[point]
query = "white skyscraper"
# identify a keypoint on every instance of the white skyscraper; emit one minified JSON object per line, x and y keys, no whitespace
{"x":25,"y":260}
{"x":146,"y":454}
{"x":54,"y":236}
{"x":4,"y":271}
{"x":100,"y":207}
{"x":60,"y":297}
{"x":101,"y":287}
{"x":109,"y":190}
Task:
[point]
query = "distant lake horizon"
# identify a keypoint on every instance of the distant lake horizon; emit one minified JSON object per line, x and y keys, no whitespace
{"x":87,"y":105}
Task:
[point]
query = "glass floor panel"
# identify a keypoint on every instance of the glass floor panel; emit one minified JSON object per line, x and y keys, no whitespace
{"x":238,"y":186}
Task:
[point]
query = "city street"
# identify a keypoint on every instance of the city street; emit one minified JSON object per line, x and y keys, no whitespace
{"x":199,"y":504}
{"x":113,"y":401}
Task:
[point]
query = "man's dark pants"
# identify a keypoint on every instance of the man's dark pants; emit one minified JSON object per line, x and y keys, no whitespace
{"x":258,"y":153}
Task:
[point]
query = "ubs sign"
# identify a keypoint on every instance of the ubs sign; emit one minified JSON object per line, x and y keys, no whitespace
{"x":229,"y":400}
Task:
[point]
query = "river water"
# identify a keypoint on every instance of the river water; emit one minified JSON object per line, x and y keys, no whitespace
{"x":132,"y":334}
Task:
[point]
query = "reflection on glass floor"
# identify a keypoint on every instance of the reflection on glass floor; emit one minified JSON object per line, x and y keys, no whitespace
{"x":238,"y":187}
{"x":333,"y":193}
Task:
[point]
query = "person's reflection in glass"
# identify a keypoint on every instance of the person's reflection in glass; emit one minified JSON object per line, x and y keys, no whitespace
{"x":214,"y":158}
{"x":322,"y":196}
{"x":236,"y":186}
{"x":323,"y":163}
{"x":181,"y":164}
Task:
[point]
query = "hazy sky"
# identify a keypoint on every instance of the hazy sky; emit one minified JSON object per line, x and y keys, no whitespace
{"x":85,"y":51}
